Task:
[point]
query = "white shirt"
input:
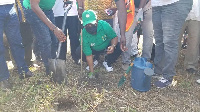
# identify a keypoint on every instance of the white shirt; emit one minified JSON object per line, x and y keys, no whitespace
{"x":58,"y":9}
{"x":195,"y":12}
{"x":5,"y":2}
{"x":155,"y":3}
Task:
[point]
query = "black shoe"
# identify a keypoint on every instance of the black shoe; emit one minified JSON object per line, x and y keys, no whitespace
{"x":26,"y":75}
{"x":191,"y":71}
{"x":78,"y":62}
{"x":30,"y":63}
{"x":5,"y":84}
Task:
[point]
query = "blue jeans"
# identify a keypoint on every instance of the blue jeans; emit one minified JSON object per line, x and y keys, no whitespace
{"x":167,"y":24}
{"x":45,"y":40}
{"x":10,"y":25}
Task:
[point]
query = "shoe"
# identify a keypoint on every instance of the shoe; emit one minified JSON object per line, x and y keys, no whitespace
{"x":191,"y":71}
{"x":157,"y":76}
{"x":78,"y":62}
{"x":26,"y":75}
{"x":125,"y":66}
{"x":108,"y":69}
{"x":95,"y":64}
{"x":5,"y":84}
{"x":162,"y":83}
{"x":198,"y":81}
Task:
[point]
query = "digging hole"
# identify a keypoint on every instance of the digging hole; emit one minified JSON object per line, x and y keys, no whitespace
{"x":65,"y":104}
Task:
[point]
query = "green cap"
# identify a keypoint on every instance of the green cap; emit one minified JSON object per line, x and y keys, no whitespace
{"x":89,"y":16}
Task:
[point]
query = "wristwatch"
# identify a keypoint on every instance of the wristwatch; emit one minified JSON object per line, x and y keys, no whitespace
{"x":114,"y":46}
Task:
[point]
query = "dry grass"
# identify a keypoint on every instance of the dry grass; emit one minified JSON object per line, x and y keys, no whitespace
{"x":99,"y":95}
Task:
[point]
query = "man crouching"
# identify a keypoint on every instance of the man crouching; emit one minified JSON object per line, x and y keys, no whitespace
{"x":98,"y":37}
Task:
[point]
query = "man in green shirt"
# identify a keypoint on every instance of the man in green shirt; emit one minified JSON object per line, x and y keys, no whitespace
{"x":99,"y":37}
{"x":40,"y":16}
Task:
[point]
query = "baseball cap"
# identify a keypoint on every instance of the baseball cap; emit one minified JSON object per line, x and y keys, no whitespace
{"x":89,"y":16}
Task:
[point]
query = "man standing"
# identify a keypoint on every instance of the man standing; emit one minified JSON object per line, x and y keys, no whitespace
{"x":71,"y":26}
{"x":10,"y":25}
{"x":40,"y":16}
{"x":168,"y":17}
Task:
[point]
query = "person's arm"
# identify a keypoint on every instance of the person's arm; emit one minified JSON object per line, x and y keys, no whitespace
{"x":80,"y":7}
{"x":139,"y":14}
{"x":38,"y":11}
{"x":111,"y":48}
{"x":122,"y":15}
{"x":90,"y":62}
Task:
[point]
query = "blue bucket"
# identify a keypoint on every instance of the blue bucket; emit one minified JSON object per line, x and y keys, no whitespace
{"x":139,"y":80}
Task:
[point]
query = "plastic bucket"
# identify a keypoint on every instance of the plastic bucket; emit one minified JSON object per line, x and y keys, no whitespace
{"x":139,"y":80}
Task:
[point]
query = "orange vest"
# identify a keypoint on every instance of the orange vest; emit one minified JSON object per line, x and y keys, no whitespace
{"x":130,"y":7}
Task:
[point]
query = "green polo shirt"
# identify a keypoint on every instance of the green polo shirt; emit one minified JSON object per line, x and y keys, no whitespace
{"x":100,"y":41}
{"x":44,"y":4}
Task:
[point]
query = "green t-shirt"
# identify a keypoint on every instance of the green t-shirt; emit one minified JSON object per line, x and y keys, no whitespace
{"x":100,"y":41}
{"x":44,"y":4}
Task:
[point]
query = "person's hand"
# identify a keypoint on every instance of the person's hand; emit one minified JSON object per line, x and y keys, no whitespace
{"x":110,"y":49}
{"x":139,"y":15}
{"x":111,"y":11}
{"x":123,"y":43}
{"x":59,"y":34}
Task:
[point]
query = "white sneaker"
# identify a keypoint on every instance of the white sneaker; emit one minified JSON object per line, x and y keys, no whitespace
{"x":198,"y":81}
{"x":108,"y":69}
{"x":95,"y":64}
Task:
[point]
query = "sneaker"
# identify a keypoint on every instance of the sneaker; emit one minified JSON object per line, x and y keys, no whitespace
{"x":27,"y":75}
{"x":95,"y":64}
{"x":157,"y":76}
{"x":198,"y":81}
{"x":108,"y":69}
{"x":162,"y":83}
{"x":78,"y":62}
{"x":191,"y":71}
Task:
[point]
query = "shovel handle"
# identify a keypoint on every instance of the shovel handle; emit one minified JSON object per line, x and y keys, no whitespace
{"x":129,"y":69}
{"x":63,"y":29}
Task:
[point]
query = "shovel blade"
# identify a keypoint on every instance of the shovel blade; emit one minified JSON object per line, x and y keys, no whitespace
{"x":58,"y":68}
{"x":121,"y":81}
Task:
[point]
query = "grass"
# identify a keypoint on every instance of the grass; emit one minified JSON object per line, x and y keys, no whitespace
{"x":81,"y":94}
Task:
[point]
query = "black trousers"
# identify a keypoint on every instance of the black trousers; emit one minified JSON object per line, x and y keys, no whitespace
{"x":72,"y":27}
{"x":110,"y":58}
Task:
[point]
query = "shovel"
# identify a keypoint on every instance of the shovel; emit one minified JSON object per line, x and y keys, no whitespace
{"x":58,"y":66}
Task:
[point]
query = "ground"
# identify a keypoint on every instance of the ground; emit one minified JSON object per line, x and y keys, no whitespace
{"x":82,"y":94}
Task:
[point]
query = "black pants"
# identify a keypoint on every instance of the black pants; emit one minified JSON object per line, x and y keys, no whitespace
{"x":72,"y":27}
{"x":110,"y":58}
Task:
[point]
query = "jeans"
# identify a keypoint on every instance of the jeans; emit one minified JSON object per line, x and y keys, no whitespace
{"x":167,"y":23}
{"x":72,"y":26}
{"x":10,"y":25}
{"x":45,"y":40}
